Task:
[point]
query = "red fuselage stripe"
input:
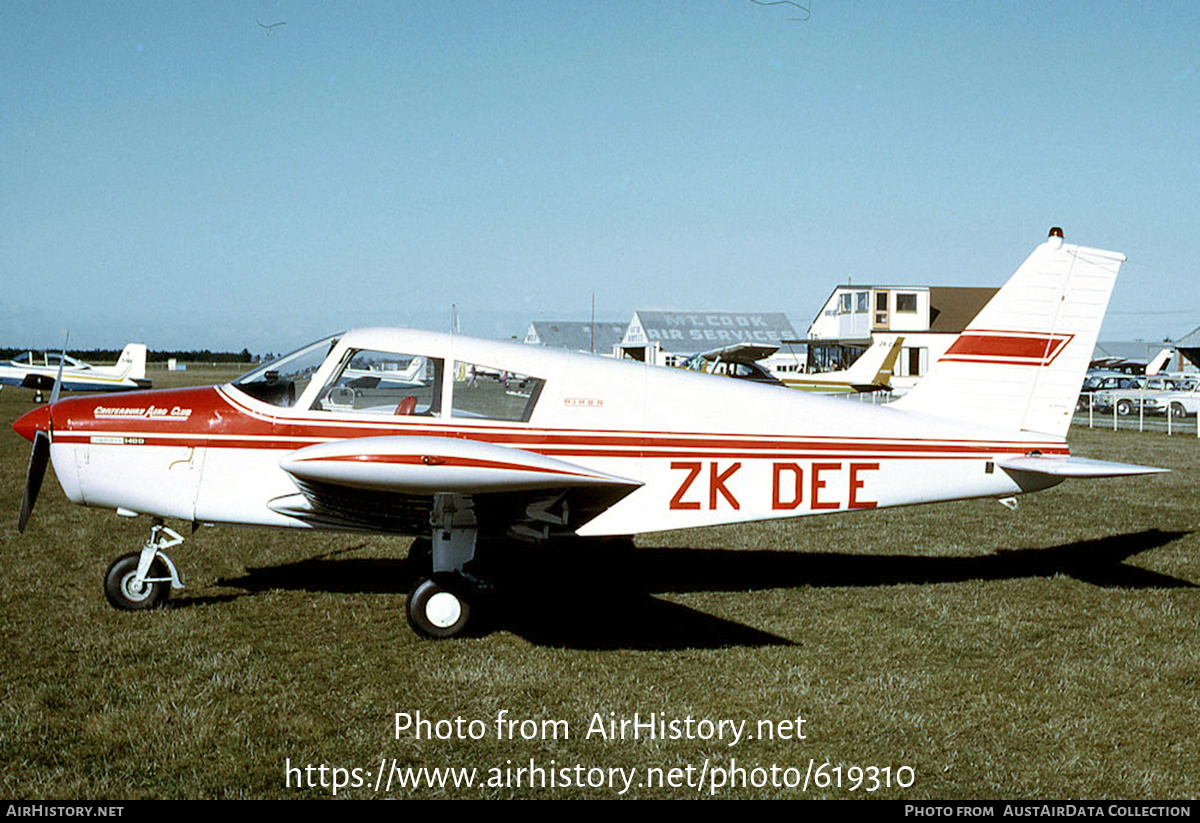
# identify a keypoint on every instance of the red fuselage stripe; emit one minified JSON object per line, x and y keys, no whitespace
{"x":646,"y":449}
{"x":211,"y":419}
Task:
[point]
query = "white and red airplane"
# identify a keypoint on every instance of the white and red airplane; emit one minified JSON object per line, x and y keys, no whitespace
{"x":572,"y":444}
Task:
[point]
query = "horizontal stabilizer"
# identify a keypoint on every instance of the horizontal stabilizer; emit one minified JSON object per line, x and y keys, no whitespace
{"x":1073,"y":467}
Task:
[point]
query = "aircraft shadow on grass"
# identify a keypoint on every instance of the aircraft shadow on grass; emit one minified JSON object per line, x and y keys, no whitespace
{"x":601,"y":596}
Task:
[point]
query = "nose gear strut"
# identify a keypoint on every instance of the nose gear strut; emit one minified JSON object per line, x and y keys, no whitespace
{"x":142,"y":580}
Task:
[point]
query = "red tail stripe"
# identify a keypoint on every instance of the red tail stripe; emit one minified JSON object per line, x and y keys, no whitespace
{"x":1007,"y":347}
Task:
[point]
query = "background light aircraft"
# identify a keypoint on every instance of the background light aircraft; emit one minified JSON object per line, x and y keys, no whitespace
{"x":738,"y":360}
{"x":1124,"y":365}
{"x":39,"y":370}
{"x":872,"y":371}
{"x":573,"y":445}
{"x":387,"y":373}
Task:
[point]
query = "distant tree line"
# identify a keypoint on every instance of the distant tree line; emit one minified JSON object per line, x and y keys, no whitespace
{"x":193,"y":356}
{"x":152,"y":356}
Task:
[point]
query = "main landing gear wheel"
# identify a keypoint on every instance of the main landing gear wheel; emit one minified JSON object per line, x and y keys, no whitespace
{"x":122,"y":590}
{"x":437,"y":607}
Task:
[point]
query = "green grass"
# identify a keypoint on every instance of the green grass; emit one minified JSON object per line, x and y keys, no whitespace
{"x":1045,"y":653}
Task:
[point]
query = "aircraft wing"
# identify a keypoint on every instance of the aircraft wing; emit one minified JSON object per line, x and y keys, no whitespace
{"x":1064,"y":467}
{"x":389,"y":483}
{"x":741,"y":352}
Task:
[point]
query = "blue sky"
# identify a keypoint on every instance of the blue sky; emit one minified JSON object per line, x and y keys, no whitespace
{"x":177,"y":173}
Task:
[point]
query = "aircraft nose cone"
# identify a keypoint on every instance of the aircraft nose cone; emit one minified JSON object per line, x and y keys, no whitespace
{"x":30,"y":423}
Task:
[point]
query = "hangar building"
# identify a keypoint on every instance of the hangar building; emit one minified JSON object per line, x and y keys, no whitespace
{"x":598,"y":337}
{"x":1189,"y":347}
{"x":665,"y":338}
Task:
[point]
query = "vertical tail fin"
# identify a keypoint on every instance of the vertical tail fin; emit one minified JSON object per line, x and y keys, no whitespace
{"x":1020,"y":363}
{"x":1160,"y":361}
{"x":870,"y":372}
{"x":876,"y":365}
{"x":132,"y":362}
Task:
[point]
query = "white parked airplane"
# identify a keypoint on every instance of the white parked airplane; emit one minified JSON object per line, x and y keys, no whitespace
{"x":38,"y":370}
{"x":573,"y":444}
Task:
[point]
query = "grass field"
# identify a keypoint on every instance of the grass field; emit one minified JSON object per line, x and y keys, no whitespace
{"x":1052,"y":652}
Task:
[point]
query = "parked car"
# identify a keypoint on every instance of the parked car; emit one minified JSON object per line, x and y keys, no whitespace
{"x":1149,"y":395}
{"x":1102,"y":381}
{"x":1185,"y":400}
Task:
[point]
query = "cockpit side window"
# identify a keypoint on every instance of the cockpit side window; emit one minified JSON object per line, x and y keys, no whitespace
{"x":493,"y":394}
{"x":384,"y":383}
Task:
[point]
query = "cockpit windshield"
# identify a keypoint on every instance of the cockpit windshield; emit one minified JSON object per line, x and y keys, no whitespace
{"x":283,"y":380}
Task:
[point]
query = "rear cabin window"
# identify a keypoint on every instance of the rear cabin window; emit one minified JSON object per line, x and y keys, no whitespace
{"x":487,"y":393}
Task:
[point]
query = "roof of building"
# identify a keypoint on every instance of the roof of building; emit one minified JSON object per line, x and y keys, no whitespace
{"x":952,"y":308}
{"x":1135,"y":350}
{"x":599,"y":337}
{"x":1189,"y":340}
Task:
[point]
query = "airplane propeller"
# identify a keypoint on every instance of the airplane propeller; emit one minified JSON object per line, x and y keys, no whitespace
{"x":38,"y":459}
{"x":40,"y":455}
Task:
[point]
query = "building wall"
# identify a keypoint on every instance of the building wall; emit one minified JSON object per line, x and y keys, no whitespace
{"x":857,"y":313}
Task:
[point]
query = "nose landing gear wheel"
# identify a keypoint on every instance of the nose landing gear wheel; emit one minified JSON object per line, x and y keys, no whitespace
{"x":122,"y":590}
{"x":437,"y":609}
